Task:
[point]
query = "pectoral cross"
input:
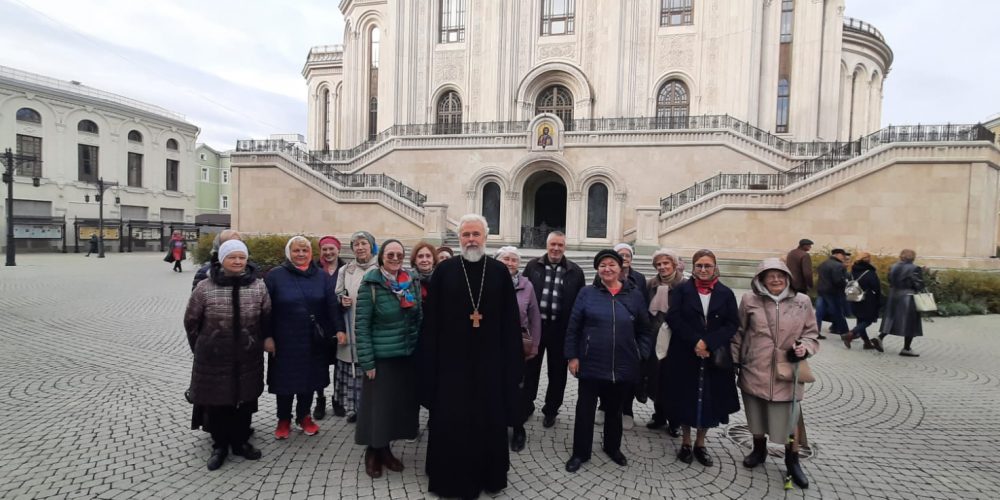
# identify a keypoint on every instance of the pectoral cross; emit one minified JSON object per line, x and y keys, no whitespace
{"x":475,"y":317}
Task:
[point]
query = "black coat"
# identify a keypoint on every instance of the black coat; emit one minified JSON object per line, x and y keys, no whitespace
{"x":901,"y":316}
{"x":832,"y":277}
{"x":688,"y":325}
{"x":867,"y":277}
{"x":573,"y":282}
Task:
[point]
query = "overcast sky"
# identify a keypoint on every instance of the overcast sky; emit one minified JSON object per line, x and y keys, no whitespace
{"x":234,"y":67}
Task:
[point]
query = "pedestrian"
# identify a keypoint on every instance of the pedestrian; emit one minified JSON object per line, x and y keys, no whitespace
{"x":778,"y":329}
{"x":329,"y":262}
{"x":831,"y":301}
{"x":226,"y":321}
{"x":443,"y":253}
{"x":92,"y":246}
{"x":531,"y":328}
{"x":866,"y":311}
{"x":305,"y":315}
{"x":176,"y":250}
{"x":669,"y":276}
{"x":422,"y":262}
{"x":700,"y":388}
{"x":347,"y":388}
{"x":607,"y":338}
{"x":472,"y":361}
{"x":557,"y":280}
{"x":387,"y":327}
{"x":213,"y":257}
{"x":800,"y":265}
{"x":901,"y":316}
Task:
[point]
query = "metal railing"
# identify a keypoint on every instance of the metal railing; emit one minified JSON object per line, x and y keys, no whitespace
{"x":835,"y":156}
{"x":859,"y":25}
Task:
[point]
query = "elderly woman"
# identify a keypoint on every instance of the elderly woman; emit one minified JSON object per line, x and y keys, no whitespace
{"x":387,"y":327}
{"x":698,"y":392}
{"x":226,"y":320}
{"x":347,"y":388}
{"x":866,"y":311}
{"x":778,"y":329}
{"x":422,"y":261}
{"x":531,"y":326}
{"x":329,"y":262}
{"x":606,"y":339}
{"x":444,"y":253}
{"x":304,"y":319}
{"x":669,"y":275}
{"x":176,"y":250}
{"x":901,"y":316}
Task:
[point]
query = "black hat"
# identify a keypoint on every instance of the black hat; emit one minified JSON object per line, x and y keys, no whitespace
{"x":607,"y":252}
{"x":841,"y":251}
{"x":805,"y":241}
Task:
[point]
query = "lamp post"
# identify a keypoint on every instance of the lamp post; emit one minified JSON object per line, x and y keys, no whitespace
{"x":99,"y":198}
{"x":8,"y":178}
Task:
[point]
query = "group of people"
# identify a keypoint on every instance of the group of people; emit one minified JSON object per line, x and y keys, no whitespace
{"x":465,"y":336}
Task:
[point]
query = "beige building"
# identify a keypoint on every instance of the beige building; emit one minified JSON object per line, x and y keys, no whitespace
{"x":741,"y":126}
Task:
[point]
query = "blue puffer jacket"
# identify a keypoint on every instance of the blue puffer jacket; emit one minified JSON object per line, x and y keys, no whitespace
{"x":609,"y":334}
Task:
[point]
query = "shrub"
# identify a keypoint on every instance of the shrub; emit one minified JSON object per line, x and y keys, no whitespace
{"x":267,"y":250}
{"x":203,"y":252}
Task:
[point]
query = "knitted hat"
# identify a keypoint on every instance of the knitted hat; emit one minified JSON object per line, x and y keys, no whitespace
{"x":366,"y":235}
{"x":326,"y":240}
{"x":603,"y":254}
{"x":232,"y":246}
{"x":620,"y":246}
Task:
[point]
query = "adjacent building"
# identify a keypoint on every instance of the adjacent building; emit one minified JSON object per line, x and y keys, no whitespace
{"x":214,"y":181}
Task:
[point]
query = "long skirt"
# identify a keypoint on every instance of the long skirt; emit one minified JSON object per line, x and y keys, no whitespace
{"x":770,"y":417}
{"x":390,"y":407}
{"x":347,"y":385}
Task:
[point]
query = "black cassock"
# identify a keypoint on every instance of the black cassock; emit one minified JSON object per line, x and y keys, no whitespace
{"x":469,"y":377}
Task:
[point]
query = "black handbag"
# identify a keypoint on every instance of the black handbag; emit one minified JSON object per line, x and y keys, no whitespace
{"x":320,"y":338}
{"x":722,"y":358}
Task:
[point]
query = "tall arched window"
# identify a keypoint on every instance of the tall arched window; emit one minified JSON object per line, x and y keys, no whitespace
{"x":597,"y":211}
{"x":374,"y":39}
{"x":172,"y":144}
{"x":325,"y":119}
{"x":29,"y":115}
{"x":781,"y":125}
{"x":87,"y":126}
{"x":557,"y":100}
{"x":491,"y":206}
{"x":135,"y":136}
{"x":672,"y":105}
{"x":449,"y":114}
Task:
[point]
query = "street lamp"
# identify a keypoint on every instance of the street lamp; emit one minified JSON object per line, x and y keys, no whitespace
{"x":99,"y":198}
{"x":8,"y":178}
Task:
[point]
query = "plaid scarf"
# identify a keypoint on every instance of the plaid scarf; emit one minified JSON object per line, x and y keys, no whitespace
{"x":549,"y":303}
{"x":400,"y":286}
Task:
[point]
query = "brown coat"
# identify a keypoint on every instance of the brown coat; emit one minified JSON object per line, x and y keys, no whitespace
{"x":228,"y":369}
{"x":800,"y":266}
{"x":767,"y":331}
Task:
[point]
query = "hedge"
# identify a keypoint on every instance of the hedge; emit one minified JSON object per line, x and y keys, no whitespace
{"x":266,"y":251}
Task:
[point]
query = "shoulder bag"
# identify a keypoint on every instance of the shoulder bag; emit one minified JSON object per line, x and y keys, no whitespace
{"x":924,"y":302}
{"x":854,"y":291}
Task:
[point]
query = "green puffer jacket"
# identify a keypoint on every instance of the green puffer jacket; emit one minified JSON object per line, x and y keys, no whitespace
{"x":384,"y":329}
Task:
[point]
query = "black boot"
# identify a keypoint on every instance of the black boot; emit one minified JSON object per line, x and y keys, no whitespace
{"x":794,"y":469}
{"x":338,"y":410}
{"x":319,"y":413}
{"x":218,"y":457}
{"x":518,"y":439}
{"x":758,"y":455}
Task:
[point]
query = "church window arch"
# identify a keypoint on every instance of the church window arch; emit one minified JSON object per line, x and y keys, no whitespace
{"x":597,"y":210}
{"x":449,"y":113}
{"x":673,"y":103}
{"x":558,"y":100}
{"x":491,"y":206}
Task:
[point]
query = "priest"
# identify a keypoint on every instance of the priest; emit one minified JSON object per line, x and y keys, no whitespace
{"x":471,"y":365}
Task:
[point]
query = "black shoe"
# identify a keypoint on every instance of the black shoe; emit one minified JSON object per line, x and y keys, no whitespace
{"x":685,"y":454}
{"x":549,"y":421}
{"x":352,"y":417}
{"x":821,"y":336}
{"x":877,"y":344}
{"x":247,"y":451}
{"x":702,"y":455}
{"x":574,"y":463}
{"x":758,"y":455}
{"x":518,"y":439}
{"x":795,"y":470}
{"x":338,"y":410}
{"x":655,"y":424}
{"x":673,"y":431}
{"x":218,"y":457}
{"x":617,"y":457}
{"x":319,"y":413}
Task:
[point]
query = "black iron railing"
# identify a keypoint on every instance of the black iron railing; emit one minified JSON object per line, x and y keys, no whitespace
{"x":838,"y":153}
{"x":859,"y":25}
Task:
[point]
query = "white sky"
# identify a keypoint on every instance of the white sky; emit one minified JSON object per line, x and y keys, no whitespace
{"x":234,"y":67}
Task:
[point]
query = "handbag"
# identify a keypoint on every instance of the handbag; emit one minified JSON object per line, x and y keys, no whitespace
{"x":786,"y":372}
{"x":663,"y":341}
{"x":924,"y":302}
{"x":722,"y":358}
{"x":318,"y":336}
{"x":526,"y":342}
{"x":854,"y":291}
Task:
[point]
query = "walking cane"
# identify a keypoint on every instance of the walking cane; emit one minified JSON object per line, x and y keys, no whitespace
{"x":791,"y":417}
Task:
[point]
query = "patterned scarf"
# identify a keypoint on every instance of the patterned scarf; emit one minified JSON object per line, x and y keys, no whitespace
{"x":549,"y":303}
{"x":400,"y":285}
{"x":705,"y":287}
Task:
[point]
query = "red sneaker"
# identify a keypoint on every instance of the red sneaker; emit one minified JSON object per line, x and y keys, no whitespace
{"x":284,"y":428}
{"x":309,"y":428}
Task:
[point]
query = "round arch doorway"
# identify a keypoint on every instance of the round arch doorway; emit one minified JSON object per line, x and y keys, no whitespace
{"x":544,"y":208}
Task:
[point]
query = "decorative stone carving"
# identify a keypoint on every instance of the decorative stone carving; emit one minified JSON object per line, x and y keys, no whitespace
{"x":620,"y":196}
{"x":676,"y":52}
{"x":563,"y":50}
{"x":448,"y":67}
{"x":575,"y":195}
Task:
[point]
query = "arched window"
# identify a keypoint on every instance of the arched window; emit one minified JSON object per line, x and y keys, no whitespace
{"x":491,"y":206}
{"x":557,"y":100}
{"x":672,"y":105}
{"x":135,"y":136}
{"x":781,"y":125}
{"x":172,"y":144}
{"x":87,"y":126}
{"x":597,"y":211}
{"x":449,"y":114}
{"x":374,"y":39}
{"x":28,"y":115}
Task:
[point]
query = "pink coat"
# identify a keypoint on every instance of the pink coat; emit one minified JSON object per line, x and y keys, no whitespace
{"x":531,"y":318}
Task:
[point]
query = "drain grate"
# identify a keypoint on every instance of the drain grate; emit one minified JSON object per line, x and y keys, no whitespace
{"x":740,"y":434}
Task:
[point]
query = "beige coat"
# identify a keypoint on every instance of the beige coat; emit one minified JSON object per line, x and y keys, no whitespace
{"x":768,"y":330}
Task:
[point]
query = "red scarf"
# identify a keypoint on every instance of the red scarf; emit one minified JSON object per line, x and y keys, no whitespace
{"x":401,"y":288}
{"x":705,"y":287}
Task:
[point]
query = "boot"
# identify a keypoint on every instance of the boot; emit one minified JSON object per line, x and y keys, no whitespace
{"x":794,"y":469}
{"x":391,"y":462}
{"x":758,"y":455}
{"x":338,"y":410}
{"x":373,"y":463}
{"x":319,"y":413}
{"x":218,"y":457}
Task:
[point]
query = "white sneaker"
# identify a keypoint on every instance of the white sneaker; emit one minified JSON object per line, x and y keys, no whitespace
{"x":627,"y":422}
{"x":599,"y":419}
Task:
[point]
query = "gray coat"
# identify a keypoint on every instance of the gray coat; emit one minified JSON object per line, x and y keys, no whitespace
{"x":901,"y":316}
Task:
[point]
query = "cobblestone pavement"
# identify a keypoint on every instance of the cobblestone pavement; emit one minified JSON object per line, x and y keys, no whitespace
{"x":95,"y":364}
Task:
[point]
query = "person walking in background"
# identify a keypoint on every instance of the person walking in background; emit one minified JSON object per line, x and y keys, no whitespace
{"x":329,"y":262}
{"x":347,"y":388}
{"x":92,"y":246}
{"x":830,"y":298}
{"x":668,"y":277}
{"x":901,"y":316}
{"x":800,"y":266}
{"x":176,"y":250}
{"x":866,"y":311}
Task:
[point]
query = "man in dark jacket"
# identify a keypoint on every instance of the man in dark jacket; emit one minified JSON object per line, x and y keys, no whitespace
{"x":557,"y":281}
{"x":800,"y":265}
{"x":830,"y":300}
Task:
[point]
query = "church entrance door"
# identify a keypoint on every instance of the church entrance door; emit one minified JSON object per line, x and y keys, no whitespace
{"x":544,"y":208}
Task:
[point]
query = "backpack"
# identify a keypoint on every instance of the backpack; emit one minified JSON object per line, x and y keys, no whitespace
{"x":854,"y":291}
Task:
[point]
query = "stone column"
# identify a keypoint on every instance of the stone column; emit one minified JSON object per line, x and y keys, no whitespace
{"x":510,"y":218}
{"x":647,"y":229}
{"x":575,"y":215}
{"x":980,"y":236}
{"x":435,"y":222}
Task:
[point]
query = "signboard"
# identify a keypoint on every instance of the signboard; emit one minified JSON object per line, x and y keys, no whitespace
{"x":190,"y":234}
{"x":147,"y":233}
{"x":110,"y":233}
{"x":37,"y":231}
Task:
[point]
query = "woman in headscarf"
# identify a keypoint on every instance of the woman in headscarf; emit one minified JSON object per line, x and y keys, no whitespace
{"x":387,"y":326}
{"x":176,"y":250}
{"x":698,"y":392}
{"x":329,"y":262}
{"x":226,"y":321}
{"x":669,"y":275}
{"x":778,"y":329}
{"x":304,"y":319}
{"x":347,"y":388}
{"x":901,"y":316}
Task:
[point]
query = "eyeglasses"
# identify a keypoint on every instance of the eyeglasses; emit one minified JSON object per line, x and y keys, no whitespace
{"x":704,"y":266}
{"x":393,"y":256}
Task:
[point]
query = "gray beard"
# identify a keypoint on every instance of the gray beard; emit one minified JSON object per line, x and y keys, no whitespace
{"x":473,"y":254}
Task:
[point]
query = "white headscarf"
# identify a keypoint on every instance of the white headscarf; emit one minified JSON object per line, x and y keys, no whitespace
{"x":288,"y":246}
{"x":232,"y":246}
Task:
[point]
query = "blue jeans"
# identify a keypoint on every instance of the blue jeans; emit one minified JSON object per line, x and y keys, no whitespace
{"x":834,"y":307}
{"x":861,"y":329}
